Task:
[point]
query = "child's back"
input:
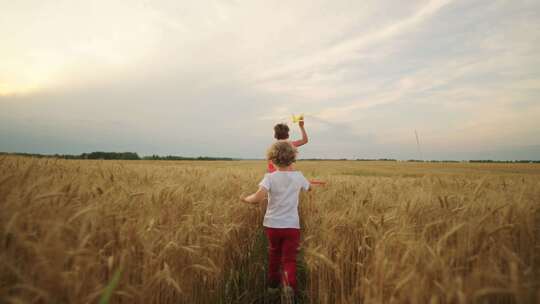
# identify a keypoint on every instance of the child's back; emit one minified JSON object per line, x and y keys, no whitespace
{"x":283,"y":190}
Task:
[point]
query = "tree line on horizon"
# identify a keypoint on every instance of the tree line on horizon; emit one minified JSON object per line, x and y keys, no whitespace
{"x":116,"y":156}
{"x":135,"y":156}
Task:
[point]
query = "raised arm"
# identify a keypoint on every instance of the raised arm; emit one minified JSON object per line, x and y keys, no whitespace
{"x":256,"y":197}
{"x":304,"y":140}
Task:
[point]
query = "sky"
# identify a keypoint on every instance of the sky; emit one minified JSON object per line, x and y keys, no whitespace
{"x":212,"y":78}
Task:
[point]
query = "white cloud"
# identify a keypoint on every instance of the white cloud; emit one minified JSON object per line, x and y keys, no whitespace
{"x":54,"y":44}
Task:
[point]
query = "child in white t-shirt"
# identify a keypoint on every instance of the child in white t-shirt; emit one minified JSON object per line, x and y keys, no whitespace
{"x":281,"y":221}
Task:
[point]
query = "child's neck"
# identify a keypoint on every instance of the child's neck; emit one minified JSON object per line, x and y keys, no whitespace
{"x":288,"y":168}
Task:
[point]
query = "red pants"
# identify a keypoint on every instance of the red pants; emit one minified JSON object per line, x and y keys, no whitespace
{"x":282,"y":249}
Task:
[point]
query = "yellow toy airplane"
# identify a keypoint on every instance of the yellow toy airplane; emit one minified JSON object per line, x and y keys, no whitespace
{"x":297,"y":118}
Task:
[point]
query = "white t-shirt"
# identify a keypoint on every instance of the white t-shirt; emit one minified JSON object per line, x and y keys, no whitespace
{"x":283,"y":190}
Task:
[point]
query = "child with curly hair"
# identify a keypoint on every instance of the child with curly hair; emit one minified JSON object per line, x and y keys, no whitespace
{"x":281,"y":132}
{"x":281,"y":221}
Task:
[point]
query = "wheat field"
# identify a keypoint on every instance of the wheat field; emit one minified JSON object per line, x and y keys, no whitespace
{"x":81,"y":231}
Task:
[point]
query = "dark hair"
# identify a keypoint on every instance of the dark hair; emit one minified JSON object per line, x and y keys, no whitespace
{"x":282,"y":153}
{"x":281,"y":131}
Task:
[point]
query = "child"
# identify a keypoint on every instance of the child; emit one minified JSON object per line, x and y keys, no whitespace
{"x":281,"y":221}
{"x":281,"y":132}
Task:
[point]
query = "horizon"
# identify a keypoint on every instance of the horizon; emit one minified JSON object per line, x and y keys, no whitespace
{"x":227,"y":157}
{"x":213,"y":77}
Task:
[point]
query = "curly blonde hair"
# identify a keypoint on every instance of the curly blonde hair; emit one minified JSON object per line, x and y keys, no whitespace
{"x":282,"y":153}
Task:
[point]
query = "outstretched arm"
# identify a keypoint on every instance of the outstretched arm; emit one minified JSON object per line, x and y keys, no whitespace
{"x":256,"y":197}
{"x":304,"y":140}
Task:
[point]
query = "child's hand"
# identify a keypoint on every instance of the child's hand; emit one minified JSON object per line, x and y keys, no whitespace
{"x":243,"y":198}
{"x":315,"y":182}
{"x":301,"y":123}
